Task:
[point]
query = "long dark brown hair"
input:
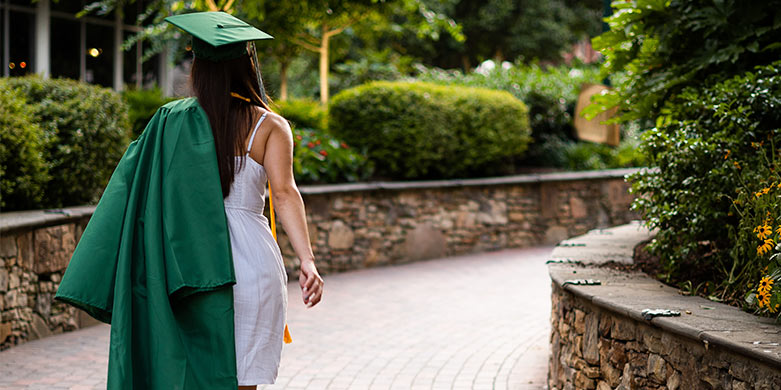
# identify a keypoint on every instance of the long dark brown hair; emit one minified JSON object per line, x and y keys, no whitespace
{"x":231,"y":118}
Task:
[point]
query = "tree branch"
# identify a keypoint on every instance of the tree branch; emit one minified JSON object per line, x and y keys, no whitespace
{"x":312,"y":40}
{"x":306,"y":45}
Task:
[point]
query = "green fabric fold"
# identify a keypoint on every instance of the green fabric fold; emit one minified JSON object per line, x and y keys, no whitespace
{"x":155,"y":260}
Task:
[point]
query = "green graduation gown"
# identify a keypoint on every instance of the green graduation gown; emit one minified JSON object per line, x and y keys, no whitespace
{"x":155,"y":260}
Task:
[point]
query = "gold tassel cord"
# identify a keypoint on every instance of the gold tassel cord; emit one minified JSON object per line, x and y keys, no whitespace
{"x":237,"y":96}
{"x":287,"y":337}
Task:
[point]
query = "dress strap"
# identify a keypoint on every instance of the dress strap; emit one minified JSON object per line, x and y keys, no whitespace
{"x":252,"y":138}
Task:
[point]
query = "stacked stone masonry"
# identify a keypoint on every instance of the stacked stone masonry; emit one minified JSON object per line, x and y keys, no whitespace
{"x":351,"y":226}
{"x":601,"y":340}
{"x":593,"y":348}
{"x":31,"y":266}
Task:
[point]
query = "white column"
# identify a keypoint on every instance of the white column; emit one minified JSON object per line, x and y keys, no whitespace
{"x":42,"y":38}
{"x":164,"y":70}
{"x":118,"y":65}
{"x":82,"y":51}
{"x":6,"y":41}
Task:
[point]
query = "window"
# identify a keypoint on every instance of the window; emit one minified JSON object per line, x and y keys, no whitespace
{"x":65,"y":48}
{"x":99,"y":55}
{"x":21,"y":27}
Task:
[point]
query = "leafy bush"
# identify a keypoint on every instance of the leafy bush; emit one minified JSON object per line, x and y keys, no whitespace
{"x":550,"y":93}
{"x":302,"y":113}
{"x":667,"y":46}
{"x":413,"y":130}
{"x":584,"y":155}
{"x":711,"y":142}
{"x":758,"y":234}
{"x":319,"y":158}
{"x":23,"y":170}
{"x":87,"y":131}
{"x":142,"y":105}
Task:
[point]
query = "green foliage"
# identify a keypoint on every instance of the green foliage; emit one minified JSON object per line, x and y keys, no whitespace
{"x":758,"y":234}
{"x":142,"y":105}
{"x":86,"y":132}
{"x":584,"y":155}
{"x":414,"y":130}
{"x":549,"y":92}
{"x":320,"y":158}
{"x":665,"y":46}
{"x":23,"y":170}
{"x":513,"y":30}
{"x":712,"y":142}
{"x":303,"y":113}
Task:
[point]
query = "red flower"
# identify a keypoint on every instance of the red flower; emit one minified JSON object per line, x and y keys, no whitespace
{"x":317,"y":142}
{"x":323,"y":152}
{"x":310,"y":145}
{"x":344,"y":145}
{"x":298,"y":137}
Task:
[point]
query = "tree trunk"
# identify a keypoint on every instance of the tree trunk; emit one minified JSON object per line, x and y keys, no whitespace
{"x":498,"y":57}
{"x":465,"y":63}
{"x":283,"y":65}
{"x":324,"y":65}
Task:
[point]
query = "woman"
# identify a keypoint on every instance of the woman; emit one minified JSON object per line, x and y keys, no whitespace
{"x":177,"y":256}
{"x":254,"y":144}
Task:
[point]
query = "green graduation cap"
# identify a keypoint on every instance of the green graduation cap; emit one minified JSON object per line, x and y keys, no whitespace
{"x":218,"y":36}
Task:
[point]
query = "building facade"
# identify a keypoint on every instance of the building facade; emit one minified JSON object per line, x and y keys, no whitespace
{"x":46,"y":37}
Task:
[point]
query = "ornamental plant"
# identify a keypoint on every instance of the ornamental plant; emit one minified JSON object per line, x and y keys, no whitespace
{"x":320,"y":158}
{"x":416,"y":130}
{"x":758,"y":234}
{"x":714,"y":144}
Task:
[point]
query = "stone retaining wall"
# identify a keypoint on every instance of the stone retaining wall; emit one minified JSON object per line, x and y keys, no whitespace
{"x":33,"y":257}
{"x":364,"y":225}
{"x":599,"y":339}
{"x":351,"y":226}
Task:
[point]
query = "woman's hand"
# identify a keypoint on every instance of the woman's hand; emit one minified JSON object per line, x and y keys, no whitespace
{"x":311,"y":283}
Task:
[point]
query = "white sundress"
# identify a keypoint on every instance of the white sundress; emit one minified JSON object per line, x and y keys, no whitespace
{"x":260,"y":292}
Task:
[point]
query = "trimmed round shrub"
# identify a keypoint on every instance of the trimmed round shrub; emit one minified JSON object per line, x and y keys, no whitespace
{"x":23,"y":170}
{"x":416,"y":130}
{"x":302,"y":113}
{"x":142,"y":105}
{"x":87,"y":131}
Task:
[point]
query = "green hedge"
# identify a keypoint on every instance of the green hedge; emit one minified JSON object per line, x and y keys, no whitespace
{"x":319,"y":158}
{"x":142,"y":105}
{"x":303,"y":113}
{"x":23,"y":170}
{"x":86,"y":132}
{"x":416,"y":130}
{"x":550,"y":92}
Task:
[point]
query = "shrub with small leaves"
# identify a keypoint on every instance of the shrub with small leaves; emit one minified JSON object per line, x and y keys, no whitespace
{"x":302,"y":113}
{"x":320,"y":158}
{"x":416,"y":130}
{"x":87,"y":131}
{"x":23,"y":168}
{"x":712,"y":144}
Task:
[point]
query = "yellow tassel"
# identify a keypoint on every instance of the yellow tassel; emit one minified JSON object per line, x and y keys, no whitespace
{"x":287,"y":337}
{"x":237,"y":96}
{"x":271,"y":210}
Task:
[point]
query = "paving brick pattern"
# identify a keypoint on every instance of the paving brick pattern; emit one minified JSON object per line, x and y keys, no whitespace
{"x":469,"y":322}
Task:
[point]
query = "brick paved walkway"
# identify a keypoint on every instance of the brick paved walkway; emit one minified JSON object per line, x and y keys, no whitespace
{"x":469,"y":322}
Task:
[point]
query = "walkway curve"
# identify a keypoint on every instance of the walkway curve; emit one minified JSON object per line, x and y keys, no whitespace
{"x":478,"y":321}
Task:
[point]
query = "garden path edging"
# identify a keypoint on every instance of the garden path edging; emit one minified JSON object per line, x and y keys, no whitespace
{"x":710,"y":324}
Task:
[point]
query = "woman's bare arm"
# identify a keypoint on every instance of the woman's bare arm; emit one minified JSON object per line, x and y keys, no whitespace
{"x":288,"y":204}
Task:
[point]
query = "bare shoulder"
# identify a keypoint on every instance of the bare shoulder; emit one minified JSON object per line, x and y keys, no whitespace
{"x":278,"y":125}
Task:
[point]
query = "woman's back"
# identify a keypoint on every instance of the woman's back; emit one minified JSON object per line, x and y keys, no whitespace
{"x":260,"y":293}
